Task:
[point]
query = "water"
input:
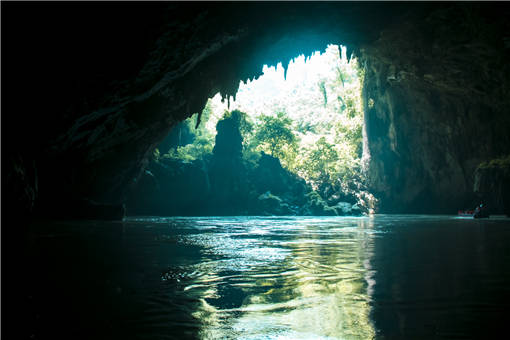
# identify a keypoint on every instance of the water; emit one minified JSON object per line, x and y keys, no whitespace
{"x":382,"y":277}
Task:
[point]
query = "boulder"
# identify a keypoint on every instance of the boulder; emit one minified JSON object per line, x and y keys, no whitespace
{"x":269,"y":175}
{"x":347,"y":209}
{"x":274,"y":205}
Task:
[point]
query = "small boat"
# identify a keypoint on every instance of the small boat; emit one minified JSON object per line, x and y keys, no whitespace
{"x":479,"y":212}
{"x":466,"y":213}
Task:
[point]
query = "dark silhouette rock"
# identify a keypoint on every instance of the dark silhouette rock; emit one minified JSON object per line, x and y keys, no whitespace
{"x":226,"y":170}
{"x":155,"y":192}
{"x":223,"y":184}
{"x":269,"y":175}
{"x":180,"y":135}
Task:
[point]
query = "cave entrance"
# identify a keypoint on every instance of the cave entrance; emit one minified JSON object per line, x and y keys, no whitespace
{"x":309,"y":116}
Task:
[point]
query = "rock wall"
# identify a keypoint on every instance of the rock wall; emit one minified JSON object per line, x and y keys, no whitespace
{"x":436,"y":96}
{"x":492,"y":184}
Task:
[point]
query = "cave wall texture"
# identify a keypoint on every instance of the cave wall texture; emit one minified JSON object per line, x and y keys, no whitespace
{"x":89,"y":89}
{"x":437,"y":101}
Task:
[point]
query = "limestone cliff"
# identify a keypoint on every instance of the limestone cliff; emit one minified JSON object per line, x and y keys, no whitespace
{"x":492,"y":184}
{"x":436,"y":95}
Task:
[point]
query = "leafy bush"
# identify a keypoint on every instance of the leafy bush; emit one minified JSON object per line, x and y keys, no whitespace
{"x":274,"y":135}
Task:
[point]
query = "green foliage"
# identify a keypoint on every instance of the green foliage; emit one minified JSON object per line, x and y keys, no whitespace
{"x":502,"y":162}
{"x":200,"y":148}
{"x":321,"y":160}
{"x":313,"y":126}
{"x":156,"y":154}
{"x":274,"y":135}
{"x":203,"y":141}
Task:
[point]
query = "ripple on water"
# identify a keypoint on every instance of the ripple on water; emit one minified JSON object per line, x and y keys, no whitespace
{"x":286,"y":278}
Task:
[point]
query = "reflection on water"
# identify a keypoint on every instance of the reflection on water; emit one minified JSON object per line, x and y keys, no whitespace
{"x":294,"y":279}
{"x":267,"y":278}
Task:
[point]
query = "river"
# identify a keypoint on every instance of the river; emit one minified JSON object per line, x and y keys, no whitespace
{"x":377,"y":277}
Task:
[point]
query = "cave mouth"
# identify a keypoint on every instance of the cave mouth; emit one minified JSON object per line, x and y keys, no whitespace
{"x":305,"y":119}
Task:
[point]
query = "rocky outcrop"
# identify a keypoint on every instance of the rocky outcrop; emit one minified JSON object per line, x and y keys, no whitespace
{"x":227,"y":170}
{"x":270,"y":204}
{"x":492,"y":184}
{"x":436,"y":102}
{"x":223,"y":183}
{"x":239,"y":191}
{"x":269,"y":175}
{"x":316,"y":206}
{"x":169,"y":188}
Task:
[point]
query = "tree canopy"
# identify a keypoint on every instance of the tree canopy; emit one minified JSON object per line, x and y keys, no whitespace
{"x":274,"y":134}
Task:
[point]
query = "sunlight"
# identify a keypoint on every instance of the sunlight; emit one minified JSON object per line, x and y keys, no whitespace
{"x":273,"y":89}
{"x":303,"y":74}
{"x":308,"y":115}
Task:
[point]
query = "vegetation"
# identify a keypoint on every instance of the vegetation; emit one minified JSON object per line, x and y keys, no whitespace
{"x":497,"y":163}
{"x":274,"y":136}
{"x":311,"y":120}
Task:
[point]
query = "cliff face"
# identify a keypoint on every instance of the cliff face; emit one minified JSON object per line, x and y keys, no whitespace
{"x":436,"y":100}
{"x":91,"y":89}
{"x":492,"y":184}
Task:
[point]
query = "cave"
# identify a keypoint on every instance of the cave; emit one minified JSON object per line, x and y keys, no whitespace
{"x":105,"y":95}
{"x":290,"y":142}
{"x":90,"y":90}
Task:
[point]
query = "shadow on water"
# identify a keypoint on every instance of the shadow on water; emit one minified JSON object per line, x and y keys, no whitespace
{"x":266,"y":278}
{"x":440,"y":277}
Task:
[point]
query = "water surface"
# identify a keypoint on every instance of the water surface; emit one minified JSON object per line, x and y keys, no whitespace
{"x":384,"y":277}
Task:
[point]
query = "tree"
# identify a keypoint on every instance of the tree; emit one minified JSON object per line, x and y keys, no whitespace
{"x":274,"y":134}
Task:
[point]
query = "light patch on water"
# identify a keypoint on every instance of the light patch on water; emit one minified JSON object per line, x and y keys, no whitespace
{"x":294,"y":278}
{"x":275,"y":278}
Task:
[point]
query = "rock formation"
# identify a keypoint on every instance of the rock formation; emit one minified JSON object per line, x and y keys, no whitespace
{"x":492,"y":184}
{"x":436,"y":105}
{"x":224,"y":183}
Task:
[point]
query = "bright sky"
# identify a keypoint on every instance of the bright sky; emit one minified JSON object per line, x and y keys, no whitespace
{"x":272,"y":89}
